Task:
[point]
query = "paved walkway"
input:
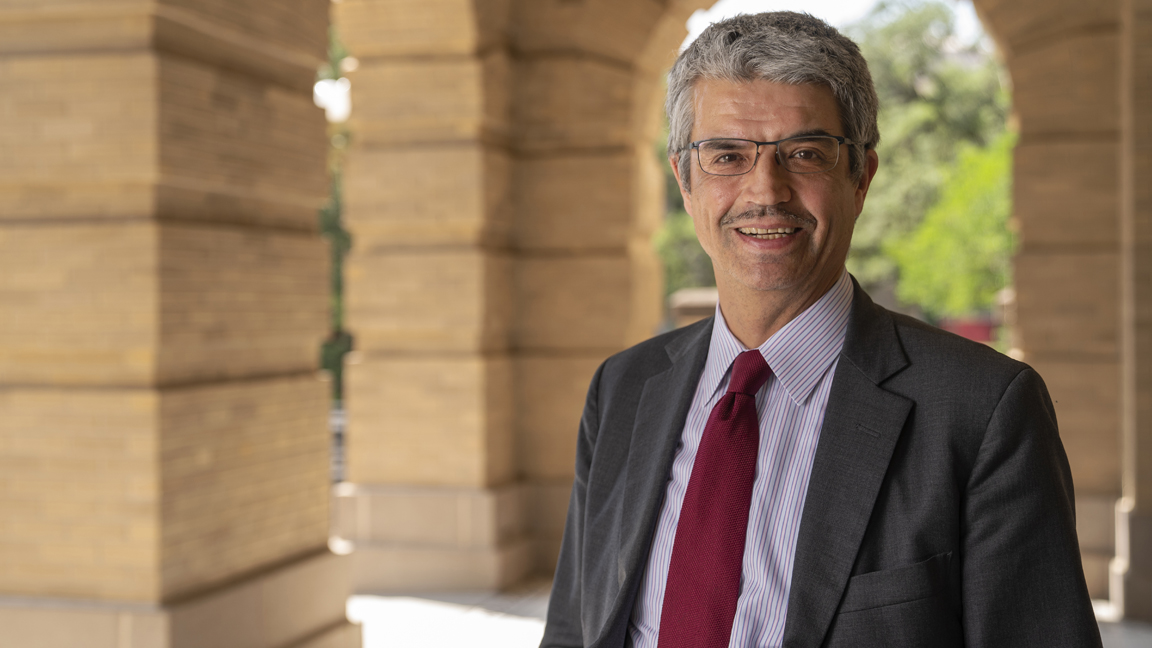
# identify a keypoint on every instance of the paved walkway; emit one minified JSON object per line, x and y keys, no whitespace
{"x":515,"y":619}
{"x":511,"y":619}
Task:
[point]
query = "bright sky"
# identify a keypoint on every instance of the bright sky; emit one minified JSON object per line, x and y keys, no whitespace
{"x":838,"y":13}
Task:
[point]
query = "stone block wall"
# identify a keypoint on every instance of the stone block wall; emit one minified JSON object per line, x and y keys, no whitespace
{"x":162,"y":297}
{"x":81,"y":495}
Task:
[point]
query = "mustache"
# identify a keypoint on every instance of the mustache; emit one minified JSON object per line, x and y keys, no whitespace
{"x":765,"y":211}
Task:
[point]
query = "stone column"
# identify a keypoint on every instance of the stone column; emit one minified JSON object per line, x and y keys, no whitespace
{"x":162,"y":295}
{"x":1063,"y":57}
{"x":501,"y":190}
{"x":588,"y":195}
{"x":432,"y":500}
{"x":1131,"y":586}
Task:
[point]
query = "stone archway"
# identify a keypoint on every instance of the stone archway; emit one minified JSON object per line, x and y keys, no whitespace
{"x":483,"y":294}
{"x":1081,"y":92}
{"x":162,"y":297}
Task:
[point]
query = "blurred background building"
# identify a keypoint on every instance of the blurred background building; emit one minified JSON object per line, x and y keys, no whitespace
{"x":164,"y":288}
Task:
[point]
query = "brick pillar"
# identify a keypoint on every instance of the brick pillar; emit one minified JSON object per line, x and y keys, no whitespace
{"x":1131,"y":589}
{"x":162,"y":296}
{"x":500,"y":190}
{"x":1063,"y":57}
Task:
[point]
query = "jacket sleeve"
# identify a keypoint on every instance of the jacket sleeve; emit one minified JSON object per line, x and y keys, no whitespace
{"x":1022,"y":583}
{"x":564,"y":628}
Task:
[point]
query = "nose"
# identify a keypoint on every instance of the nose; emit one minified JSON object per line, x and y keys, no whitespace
{"x":768,"y":183}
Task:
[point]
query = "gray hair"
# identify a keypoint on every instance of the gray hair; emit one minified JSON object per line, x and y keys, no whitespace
{"x":782,"y":47}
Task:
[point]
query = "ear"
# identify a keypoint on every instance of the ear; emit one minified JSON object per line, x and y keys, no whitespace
{"x":685,"y":194}
{"x":871,"y":163}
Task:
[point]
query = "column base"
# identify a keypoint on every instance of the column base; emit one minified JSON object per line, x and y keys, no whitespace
{"x":1130,"y":582}
{"x":548,"y":511}
{"x":1097,"y":573}
{"x":299,"y":605}
{"x":381,"y":569}
{"x":1096,"y":528}
{"x":413,"y":539}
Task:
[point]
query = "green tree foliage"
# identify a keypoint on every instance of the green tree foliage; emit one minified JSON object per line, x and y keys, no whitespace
{"x":937,"y":97}
{"x":956,"y":261}
{"x":339,"y":341}
{"x":330,"y":69}
{"x":686,"y":265}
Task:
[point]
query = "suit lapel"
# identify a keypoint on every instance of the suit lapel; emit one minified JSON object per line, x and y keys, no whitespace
{"x":660,"y":415}
{"x":862,"y":423}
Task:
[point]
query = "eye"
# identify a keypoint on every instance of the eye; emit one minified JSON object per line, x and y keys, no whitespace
{"x":727,"y":156}
{"x":808,"y":154}
{"x":728,"y":159}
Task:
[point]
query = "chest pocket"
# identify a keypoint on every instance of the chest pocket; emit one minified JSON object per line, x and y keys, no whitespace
{"x":921,"y":580}
{"x":906,"y":606}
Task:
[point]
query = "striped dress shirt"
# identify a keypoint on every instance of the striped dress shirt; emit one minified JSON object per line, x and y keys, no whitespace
{"x":790,"y":406}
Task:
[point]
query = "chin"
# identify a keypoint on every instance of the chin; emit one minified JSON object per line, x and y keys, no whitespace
{"x":771,"y":283}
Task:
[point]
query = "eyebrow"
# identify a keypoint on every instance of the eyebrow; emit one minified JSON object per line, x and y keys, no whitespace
{"x":727,"y":142}
{"x":811,"y":133}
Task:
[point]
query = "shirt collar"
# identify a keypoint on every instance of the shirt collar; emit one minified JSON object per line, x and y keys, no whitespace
{"x":799,"y":353}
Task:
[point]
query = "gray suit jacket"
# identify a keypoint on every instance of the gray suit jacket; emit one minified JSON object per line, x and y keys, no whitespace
{"x":939,"y":510}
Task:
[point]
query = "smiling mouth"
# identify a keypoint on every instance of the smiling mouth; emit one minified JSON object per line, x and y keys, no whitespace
{"x":767,"y":234}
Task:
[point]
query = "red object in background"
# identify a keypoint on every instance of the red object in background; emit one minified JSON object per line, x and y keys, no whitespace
{"x":978,"y":329}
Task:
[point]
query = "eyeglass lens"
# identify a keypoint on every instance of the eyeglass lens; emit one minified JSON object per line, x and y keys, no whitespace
{"x":798,"y":155}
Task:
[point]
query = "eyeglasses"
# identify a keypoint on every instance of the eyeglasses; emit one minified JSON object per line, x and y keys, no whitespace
{"x":802,"y":154}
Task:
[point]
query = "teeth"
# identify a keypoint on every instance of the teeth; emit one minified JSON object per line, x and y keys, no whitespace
{"x":767,"y":234}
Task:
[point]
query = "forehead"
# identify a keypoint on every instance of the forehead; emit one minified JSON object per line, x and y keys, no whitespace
{"x":762,"y":109}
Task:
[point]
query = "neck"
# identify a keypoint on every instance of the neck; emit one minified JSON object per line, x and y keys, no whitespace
{"x":753,"y":316}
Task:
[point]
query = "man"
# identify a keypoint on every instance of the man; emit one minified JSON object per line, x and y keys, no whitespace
{"x":807,"y":469}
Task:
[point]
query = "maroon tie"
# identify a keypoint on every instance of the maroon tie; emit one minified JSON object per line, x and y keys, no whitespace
{"x":704,"y":574}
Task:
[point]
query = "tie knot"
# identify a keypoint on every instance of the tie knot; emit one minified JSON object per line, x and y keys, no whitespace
{"x":749,"y":373}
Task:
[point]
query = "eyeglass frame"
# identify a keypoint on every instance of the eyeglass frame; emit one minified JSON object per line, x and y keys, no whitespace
{"x":840,"y":141}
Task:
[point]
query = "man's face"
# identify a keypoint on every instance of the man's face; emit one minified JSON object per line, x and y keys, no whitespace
{"x":730,"y":213}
